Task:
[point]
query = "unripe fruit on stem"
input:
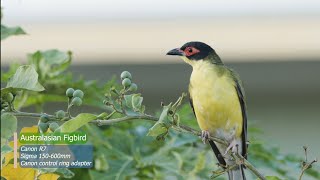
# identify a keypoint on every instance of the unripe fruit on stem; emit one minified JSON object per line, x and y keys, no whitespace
{"x":60,"y":114}
{"x":126,"y":82}
{"x":53,"y":126}
{"x":43,"y":127}
{"x":70,"y":92}
{"x":44,"y":118}
{"x":8,"y":97}
{"x":78,"y":93}
{"x":125,"y":74}
{"x":133,"y":87}
{"x":76,"y":101}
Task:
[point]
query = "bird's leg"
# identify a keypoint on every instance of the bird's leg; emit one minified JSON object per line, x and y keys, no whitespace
{"x":204,"y":136}
{"x":233,"y":146}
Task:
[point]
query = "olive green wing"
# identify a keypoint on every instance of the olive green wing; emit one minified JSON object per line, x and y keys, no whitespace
{"x":241,"y":96}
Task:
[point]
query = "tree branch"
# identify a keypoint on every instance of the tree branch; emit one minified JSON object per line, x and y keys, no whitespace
{"x":117,"y":120}
{"x":125,"y":118}
{"x":246,"y":163}
{"x":154,"y":119}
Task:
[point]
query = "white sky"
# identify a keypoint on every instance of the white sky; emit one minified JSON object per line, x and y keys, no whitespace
{"x":27,"y":11}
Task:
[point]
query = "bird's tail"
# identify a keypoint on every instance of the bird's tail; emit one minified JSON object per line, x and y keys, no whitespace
{"x":237,"y":173}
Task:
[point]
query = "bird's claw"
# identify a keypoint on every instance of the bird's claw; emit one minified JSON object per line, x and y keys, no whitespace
{"x":204,"y":136}
{"x":233,"y":147}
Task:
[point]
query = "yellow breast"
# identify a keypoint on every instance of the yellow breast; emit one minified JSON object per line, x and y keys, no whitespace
{"x":215,"y":100}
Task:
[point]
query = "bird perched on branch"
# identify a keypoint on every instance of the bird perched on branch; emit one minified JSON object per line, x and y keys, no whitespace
{"x":217,"y":99}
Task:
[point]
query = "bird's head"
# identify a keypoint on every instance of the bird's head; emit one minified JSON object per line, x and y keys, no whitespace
{"x":194,"y":51}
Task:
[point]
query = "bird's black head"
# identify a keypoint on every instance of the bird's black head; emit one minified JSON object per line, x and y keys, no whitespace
{"x":193,"y":51}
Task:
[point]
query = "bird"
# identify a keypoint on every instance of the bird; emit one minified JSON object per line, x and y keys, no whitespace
{"x":218,"y":102}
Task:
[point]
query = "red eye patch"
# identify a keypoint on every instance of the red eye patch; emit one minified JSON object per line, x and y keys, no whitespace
{"x":189,"y":51}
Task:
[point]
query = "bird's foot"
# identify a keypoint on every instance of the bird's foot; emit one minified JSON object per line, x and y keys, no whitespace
{"x":233,"y":147}
{"x":205,"y":136}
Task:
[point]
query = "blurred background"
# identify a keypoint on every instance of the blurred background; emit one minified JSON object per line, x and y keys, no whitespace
{"x":273,"y":45}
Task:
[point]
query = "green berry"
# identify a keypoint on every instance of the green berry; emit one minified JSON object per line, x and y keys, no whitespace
{"x":43,"y":127}
{"x":53,"y":126}
{"x":133,"y":87}
{"x":44,"y":118}
{"x":76,"y":101}
{"x":8,"y":97}
{"x":60,"y":114}
{"x":70,"y":92}
{"x":126,"y":82}
{"x":78,"y":93}
{"x":125,"y":74}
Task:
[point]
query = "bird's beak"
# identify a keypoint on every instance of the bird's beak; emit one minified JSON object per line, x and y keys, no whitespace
{"x":176,"y":52}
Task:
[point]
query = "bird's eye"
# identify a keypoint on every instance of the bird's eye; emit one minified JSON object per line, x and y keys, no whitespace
{"x":189,"y":51}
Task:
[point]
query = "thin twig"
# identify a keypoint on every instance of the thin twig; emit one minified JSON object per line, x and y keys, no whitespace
{"x":125,"y":118}
{"x":242,"y":161}
{"x":111,"y":114}
{"x":219,"y":173}
{"x":305,"y":164}
{"x":32,"y":115}
{"x":306,"y":167}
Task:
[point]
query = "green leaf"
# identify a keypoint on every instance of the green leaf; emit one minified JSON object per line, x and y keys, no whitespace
{"x":119,"y":170}
{"x":161,"y":127}
{"x":55,"y":57}
{"x":136,"y":102}
{"x":50,"y":63}
{"x":164,"y":118}
{"x":313,"y":172}
{"x":6,"y":149}
{"x":10,"y":31}
{"x":200,"y":164}
{"x":158,"y":129}
{"x":25,"y":78}
{"x":128,"y":100}
{"x":179,"y":160}
{"x":79,"y":174}
{"x":47,"y":170}
{"x":8,"y":125}
{"x":64,"y":172}
{"x":97,"y":136}
{"x":272,"y":178}
{"x":133,"y":104}
{"x":77,"y":122}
